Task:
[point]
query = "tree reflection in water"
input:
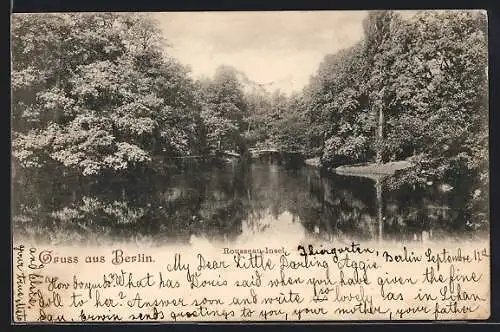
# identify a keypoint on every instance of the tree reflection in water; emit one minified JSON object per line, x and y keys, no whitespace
{"x":232,"y":202}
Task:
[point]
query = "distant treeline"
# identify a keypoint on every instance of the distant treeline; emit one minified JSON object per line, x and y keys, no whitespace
{"x":97,"y":93}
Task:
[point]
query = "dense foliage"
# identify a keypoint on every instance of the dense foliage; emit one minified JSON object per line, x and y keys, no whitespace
{"x":224,"y":109}
{"x":413,"y":87}
{"x":93,"y":92}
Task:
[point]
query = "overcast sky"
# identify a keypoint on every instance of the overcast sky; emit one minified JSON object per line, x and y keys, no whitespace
{"x":280,"y":47}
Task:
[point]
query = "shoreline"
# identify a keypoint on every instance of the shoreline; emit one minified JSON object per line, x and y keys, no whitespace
{"x":369,"y":169}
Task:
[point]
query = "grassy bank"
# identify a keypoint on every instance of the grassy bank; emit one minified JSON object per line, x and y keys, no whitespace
{"x":373,"y":168}
{"x":369,"y":170}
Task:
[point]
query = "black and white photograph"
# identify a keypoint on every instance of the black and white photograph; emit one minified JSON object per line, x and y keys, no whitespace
{"x":261,"y":129}
{"x":169,"y":127}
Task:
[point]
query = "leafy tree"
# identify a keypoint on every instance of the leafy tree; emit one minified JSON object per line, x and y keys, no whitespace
{"x":288,"y":123}
{"x":442,"y":88}
{"x":381,"y":50}
{"x":257,"y":122}
{"x":224,"y":109}
{"x":342,"y":126}
{"x":94,"y":93}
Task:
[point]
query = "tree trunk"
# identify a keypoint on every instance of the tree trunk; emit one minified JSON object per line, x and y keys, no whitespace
{"x":380,"y":211}
{"x":380,"y":135}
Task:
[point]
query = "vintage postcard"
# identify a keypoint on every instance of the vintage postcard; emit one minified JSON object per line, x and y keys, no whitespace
{"x":250,"y":166}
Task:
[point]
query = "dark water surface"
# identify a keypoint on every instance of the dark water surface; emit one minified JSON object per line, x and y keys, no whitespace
{"x":232,"y":202}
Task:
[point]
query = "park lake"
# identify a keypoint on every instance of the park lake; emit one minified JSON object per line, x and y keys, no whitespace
{"x":235,"y":201}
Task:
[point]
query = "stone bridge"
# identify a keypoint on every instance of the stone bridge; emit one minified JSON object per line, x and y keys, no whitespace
{"x":279,"y":156}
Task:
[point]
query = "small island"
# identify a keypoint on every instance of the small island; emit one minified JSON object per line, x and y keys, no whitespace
{"x":373,"y":170}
